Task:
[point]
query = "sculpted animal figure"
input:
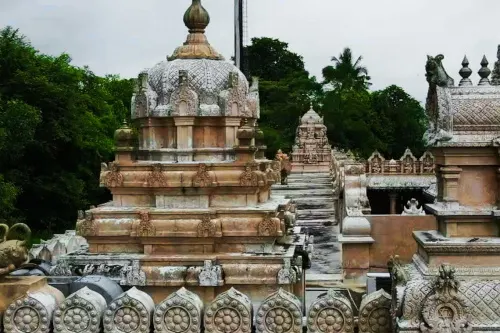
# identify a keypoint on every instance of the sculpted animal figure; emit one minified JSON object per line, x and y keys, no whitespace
{"x":13,"y":246}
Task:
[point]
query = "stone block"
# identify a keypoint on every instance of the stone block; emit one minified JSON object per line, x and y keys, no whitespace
{"x":104,"y":286}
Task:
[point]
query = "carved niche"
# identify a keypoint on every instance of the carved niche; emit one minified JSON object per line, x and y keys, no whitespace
{"x":445,"y":310}
{"x":233,"y":99}
{"x":207,"y":227}
{"x":133,"y":275}
{"x":374,"y":313}
{"x":87,"y":226}
{"x":331,"y":313}
{"x":130,"y":312}
{"x":408,"y":162}
{"x":202,"y":177}
{"x":145,"y":227}
{"x":249,"y":177}
{"x":268,"y":227}
{"x":210,"y":275}
{"x":287,"y":275}
{"x":178,"y":313}
{"x":279,"y":312}
{"x":376,"y":163}
{"x":80,"y":312}
{"x":184,"y":100}
{"x":111,"y":176}
{"x":229,"y":312}
{"x":427,"y":164}
{"x":157,"y":178}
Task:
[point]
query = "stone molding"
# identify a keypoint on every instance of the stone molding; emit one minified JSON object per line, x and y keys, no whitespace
{"x":330,"y":313}
{"x":279,"y":312}
{"x":408,"y":164}
{"x":80,"y":312}
{"x":229,"y":312}
{"x":130,"y":312}
{"x":180,"y":312}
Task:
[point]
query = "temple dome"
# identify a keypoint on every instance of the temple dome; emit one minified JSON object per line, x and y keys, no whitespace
{"x":311,"y":117}
{"x":197,"y":77}
{"x":207,"y":77}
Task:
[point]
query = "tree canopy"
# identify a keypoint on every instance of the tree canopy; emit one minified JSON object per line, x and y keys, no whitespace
{"x":56,"y":126}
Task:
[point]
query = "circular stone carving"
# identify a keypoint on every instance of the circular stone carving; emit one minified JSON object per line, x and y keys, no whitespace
{"x":229,"y":312}
{"x":76,"y":315}
{"x":26,"y":319}
{"x":330,"y":320}
{"x":279,"y":313}
{"x":126,"y":315}
{"x":227,"y":320}
{"x":331,"y":313}
{"x":177,"y":320}
{"x":179,"y":313}
{"x":27,"y":315}
{"x":126,"y":319}
{"x":374,"y":313}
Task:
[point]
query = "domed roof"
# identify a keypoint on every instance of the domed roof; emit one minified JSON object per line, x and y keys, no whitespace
{"x":311,"y":117}
{"x":200,"y":74}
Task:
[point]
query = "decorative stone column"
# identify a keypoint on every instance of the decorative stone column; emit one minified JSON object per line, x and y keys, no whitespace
{"x":184,"y":138}
{"x":450,"y":177}
{"x":393,"y":197}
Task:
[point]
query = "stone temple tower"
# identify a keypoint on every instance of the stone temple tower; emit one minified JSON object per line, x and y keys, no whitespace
{"x":191,"y":205}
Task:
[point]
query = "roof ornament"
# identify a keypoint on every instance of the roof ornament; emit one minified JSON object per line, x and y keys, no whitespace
{"x":196,"y":46}
{"x":484,"y":72}
{"x":465,"y":72}
{"x":495,"y":77}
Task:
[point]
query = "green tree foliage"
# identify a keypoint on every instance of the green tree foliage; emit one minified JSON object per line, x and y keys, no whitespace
{"x":347,"y":74}
{"x":399,"y":122}
{"x":56,"y":126}
{"x":285,"y":90}
{"x":362,"y":121}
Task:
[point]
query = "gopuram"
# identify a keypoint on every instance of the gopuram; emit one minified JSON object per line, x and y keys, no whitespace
{"x":311,"y":151}
{"x":192,"y":206}
{"x":453,"y":283}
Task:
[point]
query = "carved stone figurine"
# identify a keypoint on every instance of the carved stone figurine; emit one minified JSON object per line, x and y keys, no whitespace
{"x":13,"y":246}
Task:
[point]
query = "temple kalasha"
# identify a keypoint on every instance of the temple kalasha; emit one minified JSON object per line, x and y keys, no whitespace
{"x":204,"y":234}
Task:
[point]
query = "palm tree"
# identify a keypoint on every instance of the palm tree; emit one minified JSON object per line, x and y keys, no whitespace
{"x":346,"y":74}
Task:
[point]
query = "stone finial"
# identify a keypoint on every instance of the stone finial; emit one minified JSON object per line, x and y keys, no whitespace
{"x":81,"y":311}
{"x":130,"y":312}
{"x":179,"y":312}
{"x":330,"y":313}
{"x":229,"y":312}
{"x":484,"y":72}
{"x":279,"y":312}
{"x":374,"y":313}
{"x":465,"y":72}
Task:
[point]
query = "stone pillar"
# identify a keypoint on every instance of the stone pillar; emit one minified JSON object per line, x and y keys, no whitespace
{"x":184,"y":138}
{"x":231,"y":125}
{"x":450,"y":176}
{"x":393,"y":199}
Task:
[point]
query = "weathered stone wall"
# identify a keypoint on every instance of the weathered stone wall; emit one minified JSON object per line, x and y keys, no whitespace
{"x":393,"y":234}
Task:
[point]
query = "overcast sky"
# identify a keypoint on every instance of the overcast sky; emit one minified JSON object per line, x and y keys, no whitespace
{"x":394,"y":36}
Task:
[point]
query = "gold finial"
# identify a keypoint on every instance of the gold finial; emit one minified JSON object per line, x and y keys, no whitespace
{"x":196,"y":46}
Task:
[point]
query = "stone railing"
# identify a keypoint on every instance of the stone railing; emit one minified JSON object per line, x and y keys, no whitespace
{"x":134,"y":311}
{"x":408,"y":164}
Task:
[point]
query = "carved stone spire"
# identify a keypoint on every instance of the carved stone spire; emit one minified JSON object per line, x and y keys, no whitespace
{"x":484,"y":72}
{"x":495,"y":77}
{"x":465,"y":73}
{"x":196,"y":46}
